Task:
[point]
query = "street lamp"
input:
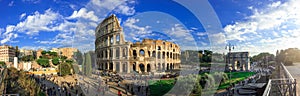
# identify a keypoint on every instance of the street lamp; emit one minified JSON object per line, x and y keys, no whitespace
{"x":229,"y":47}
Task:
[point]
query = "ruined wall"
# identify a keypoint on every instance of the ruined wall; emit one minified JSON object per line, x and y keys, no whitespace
{"x":114,"y":54}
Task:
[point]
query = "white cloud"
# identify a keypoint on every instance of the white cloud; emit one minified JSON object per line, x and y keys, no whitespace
{"x":217,"y":39}
{"x":201,"y":34}
{"x":79,"y":26}
{"x":37,"y":22}
{"x":8,"y":34}
{"x":131,"y":24}
{"x":36,"y":47}
{"x":11,"y":3}
{"x":22,"y":15}
{"x":32,"y":1}
{"x":125,"y":9}
{"x":8,"y":37}
{"x":276,"y":26}
{"x":84,"y":13}
{"x":182,"y":36}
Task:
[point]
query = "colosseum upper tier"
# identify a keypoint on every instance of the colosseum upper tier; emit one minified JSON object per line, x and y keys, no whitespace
{"x":115,"y":54}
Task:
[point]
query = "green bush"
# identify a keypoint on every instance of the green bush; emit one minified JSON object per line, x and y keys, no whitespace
{"x":64,"y":69}
{"x":43,"y":62}
{"x":55,"y":60}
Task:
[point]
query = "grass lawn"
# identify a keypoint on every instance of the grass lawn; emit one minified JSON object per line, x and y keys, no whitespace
{"x":235,"y":78}
{"x":160,"y":87}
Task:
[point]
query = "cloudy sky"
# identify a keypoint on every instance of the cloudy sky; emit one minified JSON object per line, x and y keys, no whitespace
{"x":251,"y":25}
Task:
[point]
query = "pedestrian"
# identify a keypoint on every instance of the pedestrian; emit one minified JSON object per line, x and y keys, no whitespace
{"x":119,"y":93}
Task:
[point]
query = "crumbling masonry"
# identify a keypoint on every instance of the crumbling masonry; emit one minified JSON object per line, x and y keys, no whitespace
{"x":115,"y":54}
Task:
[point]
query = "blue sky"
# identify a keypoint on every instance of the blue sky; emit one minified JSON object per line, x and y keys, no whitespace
{"x":251,"y":25}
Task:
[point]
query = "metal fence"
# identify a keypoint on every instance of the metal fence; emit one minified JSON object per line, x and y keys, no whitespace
{"x":284,"y":85}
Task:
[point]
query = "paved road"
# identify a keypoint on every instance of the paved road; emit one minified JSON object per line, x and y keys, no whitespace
{"x":50,"y":84}
{"x":294,"y":70}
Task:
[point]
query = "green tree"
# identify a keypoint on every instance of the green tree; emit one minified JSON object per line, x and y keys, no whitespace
{"x":69,"y":61}
{"x":78,"y":57}
{"x":63,"y":58}
{"x":27,"y":58}
{"x":65,"y":69}
{"x":2,"y":63}
{"x":189,"y":82}
{"x":55,"y":61}
{"x":43,"y":62}
{"x":54,"y":54}
{"x":87,"y":64}
{"x":44,"y":52}
{"x":76,"y":69}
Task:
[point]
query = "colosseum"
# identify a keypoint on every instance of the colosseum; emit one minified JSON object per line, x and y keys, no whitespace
{"x":115,"y":54}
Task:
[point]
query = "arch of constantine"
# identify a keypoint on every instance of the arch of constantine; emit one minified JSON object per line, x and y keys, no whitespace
{"x":239,"y":61}
{"x":149,"y":55}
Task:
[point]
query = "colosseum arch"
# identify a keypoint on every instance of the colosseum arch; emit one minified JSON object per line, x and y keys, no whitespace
{"x":142,"y":67}
{"x":134,"y":67}
{"x":168,"y":66}
{"x":142,"y":52}
{"x":159,"y":67}
{"x":148,"y":67}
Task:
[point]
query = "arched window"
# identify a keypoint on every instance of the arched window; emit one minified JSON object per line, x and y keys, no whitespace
{"x":124,"y":52}
{"x":117,"y":52}
{"x":106,"y":54}
{"x":153,"y":54}
{"x":142,"y":52}
{"x":158,"y":48}
{"x":134,"y":54}
{"x":118,"y":38}
{"x":111,"y":39}
{"x":149,"y":53}
{"x":158,"y":55}
{"x":167,"y":54}
{"x":111,"y":53}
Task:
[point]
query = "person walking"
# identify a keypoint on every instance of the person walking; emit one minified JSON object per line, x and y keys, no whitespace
{"x":119,"y":93}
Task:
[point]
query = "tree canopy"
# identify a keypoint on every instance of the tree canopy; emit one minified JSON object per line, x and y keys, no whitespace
{"x":55,"y":61}
{"x":262,"y":56}
{"x":65,"y":69}
{"x":43,"y":62}
{"x":27,"y":58}
{"x":78,"y":57}
{"x":87,"y":66}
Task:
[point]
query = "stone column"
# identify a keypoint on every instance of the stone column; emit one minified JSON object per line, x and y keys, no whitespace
{"x":108,"y":53}
{"x":114,"y":66}
{"x":114,"y":38}
{"x":121,"y":66}
{"x":108,"y":41}
{"x":128,"y":67}
{"x":107,"y":66}
{"x":145,"y":67}
{"x":121,"y":53}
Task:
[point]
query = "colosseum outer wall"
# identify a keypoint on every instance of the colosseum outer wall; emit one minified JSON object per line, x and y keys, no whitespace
{"x":114,"y":54}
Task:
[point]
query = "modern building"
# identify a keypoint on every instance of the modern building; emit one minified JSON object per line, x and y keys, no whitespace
{"x":115,"y":54}
{"x":7,"y":53}
{"x":25,"y":52}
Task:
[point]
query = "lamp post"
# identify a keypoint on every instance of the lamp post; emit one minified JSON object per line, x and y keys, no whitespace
{"x":229,"y":47}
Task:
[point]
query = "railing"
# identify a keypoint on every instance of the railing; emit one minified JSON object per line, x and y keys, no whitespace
{"x":284,"y":86}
